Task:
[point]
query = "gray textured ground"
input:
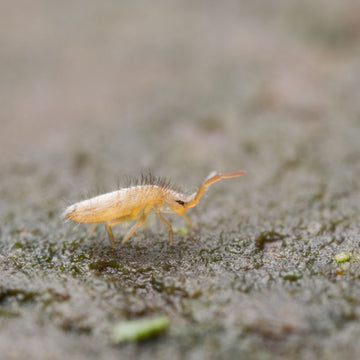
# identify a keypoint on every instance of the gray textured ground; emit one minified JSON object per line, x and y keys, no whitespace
{"x":92,"y":91}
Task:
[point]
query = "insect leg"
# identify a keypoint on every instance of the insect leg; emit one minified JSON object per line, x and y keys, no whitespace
{"x":113,"y":222}
{"x":92,"y":229}
{"x":187,"y":220}
{"x":137,"y":225}
{"x":110,"y":234}
{"x":166,"y":223}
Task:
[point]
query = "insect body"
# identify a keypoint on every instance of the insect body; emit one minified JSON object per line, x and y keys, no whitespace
{"x":136,"y":201}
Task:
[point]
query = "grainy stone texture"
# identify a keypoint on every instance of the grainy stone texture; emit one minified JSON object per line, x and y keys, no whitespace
{"x":92,"y":91}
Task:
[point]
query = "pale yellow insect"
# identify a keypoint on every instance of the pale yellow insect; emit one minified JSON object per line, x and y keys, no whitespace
{"x":136,"y":201}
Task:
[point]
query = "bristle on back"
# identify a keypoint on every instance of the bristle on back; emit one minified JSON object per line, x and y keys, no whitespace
{"x":150,"y":179}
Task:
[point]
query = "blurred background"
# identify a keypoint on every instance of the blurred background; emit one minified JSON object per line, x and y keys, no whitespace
{"x":91,"y":91}
{"x":175,"y":87}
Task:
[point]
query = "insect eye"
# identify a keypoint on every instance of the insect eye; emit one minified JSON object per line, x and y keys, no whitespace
{"x":180,"y":202}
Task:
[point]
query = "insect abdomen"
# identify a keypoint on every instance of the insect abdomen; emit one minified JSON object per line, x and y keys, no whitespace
{"x":98,"y":209}
{"x":124,"y":202}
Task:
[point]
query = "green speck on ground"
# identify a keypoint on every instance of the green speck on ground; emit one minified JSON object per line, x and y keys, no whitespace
{"x":138,"y":329}
{"x":342,"y":257}
{"x":182,"y":230}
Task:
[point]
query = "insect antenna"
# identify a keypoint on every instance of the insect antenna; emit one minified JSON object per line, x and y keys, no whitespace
{"x":211,"y":180}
